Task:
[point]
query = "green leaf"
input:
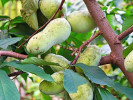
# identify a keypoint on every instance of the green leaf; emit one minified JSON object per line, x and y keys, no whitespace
{"x":76,"y":41}
{"x":66,"y":54}
{"x":4,"y":43}
{"x":21,"y":29}
{"x":29,"y":68}
{"x":4,"y":2}
{"x":72,"y":80}
{"x":97,"y":75}
{"x":6,"y":69}
{"x":8,"y":90}
{"x":127,"y":50}
{"x":4,"y":18}
{"x":111,"y":20}
{"x":2,"y":59}
{"x":46,"y":97}
{"x":37,"y":61}
{"x":128,"y":22}
{"x":24,"y":76}
{"x":16,"y":20}
{"x":104,"y":7}
{"x":106,"y":94}
{"x":97,"y":95}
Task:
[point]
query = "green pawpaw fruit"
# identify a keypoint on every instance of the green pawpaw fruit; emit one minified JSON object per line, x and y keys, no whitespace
{"x":62,"y":61}
{"x":81,"y":21}
{"x":49,"y":7}
{"x":90,"y":56}
{"x":54,"y":87}
{"x":29,"y":12}
{"x":56,"y":32}
{"x":129,"y":62}
{"x":84,"y":92}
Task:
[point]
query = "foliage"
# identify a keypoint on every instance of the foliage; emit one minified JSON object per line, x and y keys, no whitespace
{"x":109,"y":83}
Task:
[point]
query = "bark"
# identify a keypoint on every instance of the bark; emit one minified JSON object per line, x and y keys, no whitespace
{"x":110,"y":36}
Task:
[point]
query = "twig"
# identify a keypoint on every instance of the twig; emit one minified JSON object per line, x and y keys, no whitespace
{"x":70,"y":45}
{"x":110,"y":36}
{"x":76,"y":50}
{"x":94,"y":31}
{"x":60,"y":7}
{"x":75,"y":59}
{"x":15,"y":73}
{"x":93,"y":35}
{"x":15,"y":77}
{"x":66,"y":48}
{"x":125,"y":33}
{"x":13,"y":54}
{"x":86,"y":42}
{"x":105,"y":60}
{"x":83,"y":45}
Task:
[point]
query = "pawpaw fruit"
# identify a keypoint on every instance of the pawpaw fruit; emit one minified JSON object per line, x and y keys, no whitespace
{"x":128,"y":62}
{"x":56,"y":32}
{"x":81,"y":21}
{"x":62,"y":61}
{"x":90,"y":56}
{"x":49,"y":7}
{"x":53,"y":87}
{"x":29,"y":12}
{"x":84,"y":92}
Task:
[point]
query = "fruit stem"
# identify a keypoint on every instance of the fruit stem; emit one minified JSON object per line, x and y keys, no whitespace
{"x":125,"y":33}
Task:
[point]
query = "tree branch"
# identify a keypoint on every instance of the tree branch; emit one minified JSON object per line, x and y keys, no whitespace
{"x":70,"y":45}
{"x":70,"y":49}
{"x":13,"y":54}
{"x":109,"y":35}
{"x":60,"y":7}
{"x":105,"y":60}
{"x":125,"y":33}
{"x":15,"y":73}
{"x":16,"y":55}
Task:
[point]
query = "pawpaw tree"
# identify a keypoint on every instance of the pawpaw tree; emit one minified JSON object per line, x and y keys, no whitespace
{"x":73,"y":50}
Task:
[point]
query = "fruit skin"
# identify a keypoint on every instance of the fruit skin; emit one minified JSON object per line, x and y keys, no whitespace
{"x":84,"y":92}
{"x":54,"y":87}
{"x":29,"y":12}
{"x":81,"y":21}
{"x":56,"y":32}
{"x":129,"y":62}
{"x":62,"y":61}
{"x":90,"y":56}
{"x":49,"y":7}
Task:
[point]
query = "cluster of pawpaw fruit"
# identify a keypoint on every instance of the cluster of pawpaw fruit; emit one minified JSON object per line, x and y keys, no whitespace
{"x":35,"y":13}
{"x":90,"y":56}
